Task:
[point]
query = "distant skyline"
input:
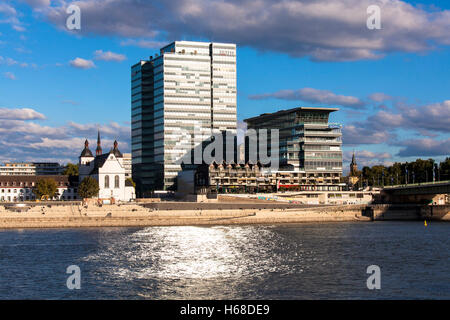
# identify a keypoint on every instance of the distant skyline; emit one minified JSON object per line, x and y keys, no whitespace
{"x":58,"y":87}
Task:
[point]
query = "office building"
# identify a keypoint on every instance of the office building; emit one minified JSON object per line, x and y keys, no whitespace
{"x":308,"y":144}
{"x":179,"y":98}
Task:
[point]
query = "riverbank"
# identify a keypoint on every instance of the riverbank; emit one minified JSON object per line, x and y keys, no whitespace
{"x":135,"y":215}
{"x":73,"y":216}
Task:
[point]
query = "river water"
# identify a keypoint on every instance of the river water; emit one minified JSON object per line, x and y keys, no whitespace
{"x":299,"y":261}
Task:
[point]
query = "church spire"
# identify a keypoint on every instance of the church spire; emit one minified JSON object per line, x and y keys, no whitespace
{"x":353,"y":165}
{"x":98,"y":151}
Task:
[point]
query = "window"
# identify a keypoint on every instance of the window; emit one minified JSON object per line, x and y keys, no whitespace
{"x":116,"y":182}
{"x":106,"y":182}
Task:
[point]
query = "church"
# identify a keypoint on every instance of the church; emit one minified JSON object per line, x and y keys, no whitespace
{"x":108,"y":169}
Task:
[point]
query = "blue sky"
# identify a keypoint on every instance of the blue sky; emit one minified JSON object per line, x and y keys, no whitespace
{"x":57,"y":87}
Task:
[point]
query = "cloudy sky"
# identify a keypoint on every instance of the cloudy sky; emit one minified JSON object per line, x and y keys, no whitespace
{"x":392,"y":85}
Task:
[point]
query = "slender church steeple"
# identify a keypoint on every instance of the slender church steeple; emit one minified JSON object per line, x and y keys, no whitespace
{"x":353,"y":165}
{"x":98,"y":151}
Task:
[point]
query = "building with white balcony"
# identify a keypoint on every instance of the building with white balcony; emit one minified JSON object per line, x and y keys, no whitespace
{"x":30,"y":168}
{"x":309,"y":146}
{"x":127,"y":164}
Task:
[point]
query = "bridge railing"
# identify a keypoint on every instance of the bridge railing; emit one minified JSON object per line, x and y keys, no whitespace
{"x":418,"y":184}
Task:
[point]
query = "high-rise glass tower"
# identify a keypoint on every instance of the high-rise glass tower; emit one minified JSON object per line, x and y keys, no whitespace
{"x":179,"y":98}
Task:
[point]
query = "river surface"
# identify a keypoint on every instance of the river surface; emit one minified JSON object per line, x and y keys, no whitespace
{"x":298,"y":261}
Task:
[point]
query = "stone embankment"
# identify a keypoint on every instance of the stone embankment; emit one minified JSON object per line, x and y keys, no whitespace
{"x":132,"y":215}
{"x":72,"y":216}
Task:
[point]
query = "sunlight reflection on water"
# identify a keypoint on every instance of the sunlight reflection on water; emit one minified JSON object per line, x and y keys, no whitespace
{"x":194,"y":252}
{"x":305,"y":261}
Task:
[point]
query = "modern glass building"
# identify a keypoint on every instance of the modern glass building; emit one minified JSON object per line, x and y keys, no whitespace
{"x":179,"y":98}
{"x":308,"y":143}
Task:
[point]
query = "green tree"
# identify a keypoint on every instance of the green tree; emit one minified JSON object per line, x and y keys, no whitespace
{"x":444,"y":169}
{"x":130,"y":180}
{"x":71,"y":170}
{"x":418,"y":171}
{"x":88,"y":188}
{"x":45,"y":187}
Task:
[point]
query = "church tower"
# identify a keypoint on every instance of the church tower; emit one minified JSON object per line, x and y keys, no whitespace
{"x":98,"y":151}
{"x":353,"y":166}
{"x":86,"y":162}
{"x":86,"y":155}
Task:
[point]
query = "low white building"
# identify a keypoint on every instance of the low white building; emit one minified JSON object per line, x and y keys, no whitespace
{"x":109,"y":170}
{"x":20,"y":188}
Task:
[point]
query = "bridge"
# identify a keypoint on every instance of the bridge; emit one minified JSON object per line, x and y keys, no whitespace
{"x":429,"y":192}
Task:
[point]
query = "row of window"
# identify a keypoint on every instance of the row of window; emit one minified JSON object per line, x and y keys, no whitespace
{"x":69,"y":190}
{"x":23,"y":184}
{"x":33,"y":197}
{"x":116,"y":182}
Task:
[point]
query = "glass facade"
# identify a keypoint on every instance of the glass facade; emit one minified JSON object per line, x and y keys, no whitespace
{"x":179,"y":98}
{"x":308,"y":143}
{"x":142,"y":126}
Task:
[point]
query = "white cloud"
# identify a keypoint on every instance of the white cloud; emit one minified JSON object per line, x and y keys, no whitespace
{"x":9,"y":15}
{"x":312,"y":95}
{"x":149,"y":44}
{"x":8,"y":61}
{"x":11,"y":62}
{"x":380,"y":97}
{"x":434,"y":117}
{"x":10,"y":75}
{"x":424,"y":147}
{"x":19,"y":28}
{"x":108,"y":56}
{"x":82,"y":63}
{"x":355,"y":134}
{"x":20,"y":114}
{"x":25,"y":140}
{"x":321,"y":29}
{"x":38,"y":3}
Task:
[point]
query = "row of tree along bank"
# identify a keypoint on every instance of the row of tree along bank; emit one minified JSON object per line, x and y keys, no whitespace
{"x":419,"y":171}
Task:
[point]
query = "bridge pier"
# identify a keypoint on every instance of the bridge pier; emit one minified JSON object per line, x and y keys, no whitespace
{"x":412,"y":212}
{"x":438,"y":212}
{"x":436,"y":199}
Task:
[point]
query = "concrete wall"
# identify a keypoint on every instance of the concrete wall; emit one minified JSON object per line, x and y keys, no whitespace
{"x":439,"y":212}
{"x":384,"y":212}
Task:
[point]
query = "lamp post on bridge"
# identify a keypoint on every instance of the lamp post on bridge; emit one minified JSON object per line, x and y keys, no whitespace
{"x":406,"y":174}
{"x":435,"y":170}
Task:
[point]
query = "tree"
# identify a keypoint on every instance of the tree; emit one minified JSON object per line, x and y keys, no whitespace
{"x":71,"y":170}
{"x":130,"y":180}
{"x":88,"y":188}
{"x":45,"y":187}
{"x":444,"y":169}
